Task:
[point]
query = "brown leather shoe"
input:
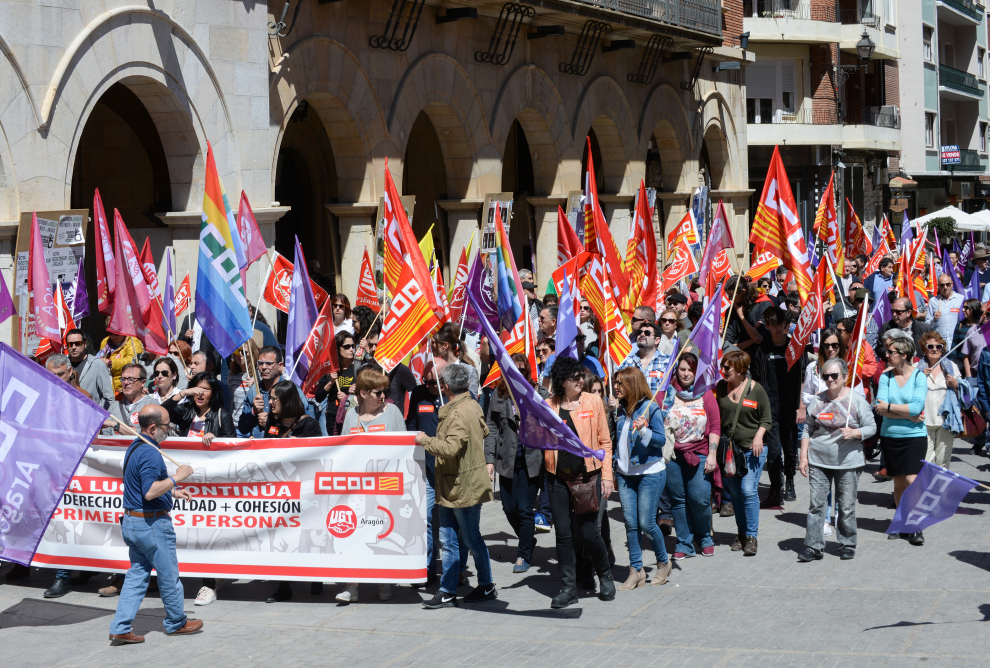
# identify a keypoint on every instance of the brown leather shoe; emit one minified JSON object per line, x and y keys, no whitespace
{"x":112,"y":589}
{"x":126,"y":639}
{"x":192,"y":625}
{"x":750,"y":549}
{"x":738,"y":544}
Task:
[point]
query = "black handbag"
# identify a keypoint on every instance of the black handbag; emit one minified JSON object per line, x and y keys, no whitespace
{"x":729,"y":455}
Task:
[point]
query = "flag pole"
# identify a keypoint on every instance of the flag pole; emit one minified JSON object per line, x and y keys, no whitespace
{"x":859,"y":347}
{"x":739,"y":279}
{"x":130,"y":431}
{"x":261,"y":295}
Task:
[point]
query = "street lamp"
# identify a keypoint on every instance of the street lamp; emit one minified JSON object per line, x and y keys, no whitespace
{"x":865,"y":47}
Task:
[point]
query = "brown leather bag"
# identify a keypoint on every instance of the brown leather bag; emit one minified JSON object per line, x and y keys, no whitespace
{"x":584,"y":493}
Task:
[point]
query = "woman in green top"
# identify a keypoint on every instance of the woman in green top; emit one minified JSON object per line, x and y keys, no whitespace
{"x":745,"y":398}
{"x":904,"y":437}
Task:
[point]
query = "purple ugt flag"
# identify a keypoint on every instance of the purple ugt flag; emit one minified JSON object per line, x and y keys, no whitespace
{"x":705,"y":336}
{"x":168,"y":295}
{"x":950,"y":269}
{"x":539,"y":426}
{"x":481,"y":284}
{"x":567,"y":327}
{"x":933,"y":497}
{"x":45,"y":428}
{"x":302,"y":316}
{"x":6,"y":303}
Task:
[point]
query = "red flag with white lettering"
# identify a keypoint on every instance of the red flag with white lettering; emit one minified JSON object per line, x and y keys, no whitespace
{"x":182,"y":297}
{"x":105,"y":269}
{"x":810,"y":320}
{"x":321,"y":349}
{"x":367,"y":295}
{"x":279,"y":286}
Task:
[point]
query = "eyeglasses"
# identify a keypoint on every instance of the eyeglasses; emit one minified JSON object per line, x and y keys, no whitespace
{"x":944,"y":285}
{"x":164,"y":374}
{"x":896,"y":311}
{"x":935,"y":347}
{"x":75,"y":344}
{"x":430,"y":383}
{"x":668,"y":321}
{"x":646,"y":332}
{"x":830,"y":376}
{"x":616,"y":383}
{"x":266,"y":364}
{"x":347,"y":346}
{"x":831,"y":345}
{"x":635,"y":319}
{"x":585,"y":308}
{"x":577,"y":378}
{"x":379,"y":393}
{"x":127,"y":380}
{"x":342,"y":307}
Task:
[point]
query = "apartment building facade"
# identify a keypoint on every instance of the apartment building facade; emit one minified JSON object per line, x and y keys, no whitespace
{"x":825,"y":88}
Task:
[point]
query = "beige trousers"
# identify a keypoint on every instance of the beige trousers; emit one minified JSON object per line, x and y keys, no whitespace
{"x":939,"y":446}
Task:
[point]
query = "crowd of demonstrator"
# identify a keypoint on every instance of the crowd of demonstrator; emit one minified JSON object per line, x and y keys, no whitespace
{"x":662,"y":456}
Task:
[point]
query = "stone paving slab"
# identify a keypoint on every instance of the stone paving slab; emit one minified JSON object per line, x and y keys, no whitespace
{"x":893,"y":605}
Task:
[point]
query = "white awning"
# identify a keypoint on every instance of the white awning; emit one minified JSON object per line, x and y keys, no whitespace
{"x":965,"y":222}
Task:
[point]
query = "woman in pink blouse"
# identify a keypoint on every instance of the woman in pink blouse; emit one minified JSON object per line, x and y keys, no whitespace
{"x":693,"y":419}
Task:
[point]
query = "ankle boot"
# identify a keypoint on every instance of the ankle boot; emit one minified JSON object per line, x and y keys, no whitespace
{"x":635,"y":579}
{"x":568,"y":590}
{"x":606,"y":585}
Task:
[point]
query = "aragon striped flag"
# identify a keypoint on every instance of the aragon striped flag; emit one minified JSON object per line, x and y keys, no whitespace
{"x":221,"y":307}
{"x":409,"y":321}
{"x":763,"y":265}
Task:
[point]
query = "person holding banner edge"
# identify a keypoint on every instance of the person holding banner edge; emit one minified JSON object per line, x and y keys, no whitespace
{"x":148,"y":532}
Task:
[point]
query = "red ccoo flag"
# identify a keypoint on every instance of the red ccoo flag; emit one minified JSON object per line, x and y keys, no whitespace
{"x":132,"y":305}
{"x":777,"y":228}
{"x":182,"y":297}
{"x":105,"y":268}
{"x":568,"y":244}
{"x":395,"y":217}
{"x":457,"y":291}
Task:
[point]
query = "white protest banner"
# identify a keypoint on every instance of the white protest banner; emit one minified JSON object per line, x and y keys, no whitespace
{"x":344,"y":508}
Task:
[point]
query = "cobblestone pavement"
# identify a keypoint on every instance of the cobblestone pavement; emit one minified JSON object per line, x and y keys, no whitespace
{"x":894,"y":604}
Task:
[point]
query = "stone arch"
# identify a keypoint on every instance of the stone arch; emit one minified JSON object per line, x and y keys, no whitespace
{"x":327,"y":75}
{"x":665,"y":118}
{"x":136,"y":46}
{"x":530,"y":96}
{"x":604,"y":107}
{"x":717,"y":131}
{"x":716,"y":147}
{"x":13,"y":81}
{"x":439,"y":85}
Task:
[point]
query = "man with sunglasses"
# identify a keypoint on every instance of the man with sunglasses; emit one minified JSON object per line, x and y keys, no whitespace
{"x":641,"y":316}
{"x":93,"y":375}
{"x":134,"y":397}
{"x":945,"y":308}
{"x":253,"y":417}
{"x":646,"y":357}
{"x":783,"y":387}
{"x":902,"y":319}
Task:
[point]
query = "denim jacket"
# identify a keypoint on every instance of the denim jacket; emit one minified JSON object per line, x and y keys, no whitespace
{"x":641,"y":451}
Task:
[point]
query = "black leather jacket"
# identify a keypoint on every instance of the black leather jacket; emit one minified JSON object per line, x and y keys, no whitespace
{"x":218,"y":422}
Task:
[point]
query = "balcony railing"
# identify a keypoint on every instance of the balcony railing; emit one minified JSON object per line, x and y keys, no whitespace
{"x":802,"y":116}
{"x":970,"y":162}
{"x":702,"y":15}
{"x":865,"y":17}
{"x":883,"y":118}
{"x":967,"y":7}
{"x":963,"y":82}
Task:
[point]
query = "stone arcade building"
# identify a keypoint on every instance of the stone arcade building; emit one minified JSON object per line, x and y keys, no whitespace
{"x":304,"y":101}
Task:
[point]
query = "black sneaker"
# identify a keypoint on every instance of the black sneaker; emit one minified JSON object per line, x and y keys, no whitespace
{"x":916,"y":538}
{"x":482,"y":593}
{"x":441,"y":600}
{"x":846,"y":553}
{"x":810,"y":554}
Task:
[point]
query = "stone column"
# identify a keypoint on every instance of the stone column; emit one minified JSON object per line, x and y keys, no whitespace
{"x":356,"y":224}
{"x":545,"y":212}
{"x":463,"y":220}
{"x":8,"y":238}
{"x":737,"y":209}
{"x":675,"y":205}
{"x":618,"y":213}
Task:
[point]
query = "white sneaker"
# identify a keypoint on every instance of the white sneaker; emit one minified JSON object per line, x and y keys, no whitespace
{"x":205,"y":596}
{"x":827,"y":529}
{"x":384,"y":592}
{"x":349,"y":595}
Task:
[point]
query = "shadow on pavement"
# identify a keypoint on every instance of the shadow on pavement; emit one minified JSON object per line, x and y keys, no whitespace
{"x":973,"y":558}
{"x":33,"y":612}
{"x":791,"y":545}
{"x":502,"y":608}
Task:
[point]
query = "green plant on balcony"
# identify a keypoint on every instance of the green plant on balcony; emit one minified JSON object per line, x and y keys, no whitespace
{"x":944,"y":226}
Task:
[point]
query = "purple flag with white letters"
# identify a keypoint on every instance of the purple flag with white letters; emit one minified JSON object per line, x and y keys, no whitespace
{"x":567,"y":325}
{"x":45,"y":428}
{"x":6,"y":303}
{"x":539,"y":426}
{"x":705,"y":336}
{"x":882,"y":311}
{"x":303,"y":314}
{"x":481,"y":284}
{"x":933,"y":497}
{"x":950,"y":269}
{"x":80,"y":295}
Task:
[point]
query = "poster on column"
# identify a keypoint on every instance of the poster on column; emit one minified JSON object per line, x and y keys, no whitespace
{"x":343,"y":508}
{"x":505,"y":201}
{"x":409,"y":204}
{"x":63,"y":234}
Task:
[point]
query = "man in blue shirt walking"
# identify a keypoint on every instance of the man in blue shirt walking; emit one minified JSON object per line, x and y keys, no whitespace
{"x":147,"y":530}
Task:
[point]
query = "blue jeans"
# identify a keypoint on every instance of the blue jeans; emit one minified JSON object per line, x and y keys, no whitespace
{"x":746,"y":494}
{"x":462,"y":525}
{"x":152,"y":546}
{"x":690,"y":491}
{"x":640,"y":495}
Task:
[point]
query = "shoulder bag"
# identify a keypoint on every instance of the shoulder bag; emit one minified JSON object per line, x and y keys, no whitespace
{"x":729,"y":455}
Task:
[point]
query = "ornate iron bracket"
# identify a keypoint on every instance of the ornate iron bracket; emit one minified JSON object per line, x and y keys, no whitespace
{"x":389,"y":38}
{"x":706,"y":51}
{"x":584,"y":50}
{"x":651,"y":59}
{"x":506,"y":31}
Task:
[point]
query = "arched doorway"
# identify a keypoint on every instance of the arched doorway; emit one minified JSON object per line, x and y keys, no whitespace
{"x":518,"y":179}
{"x":121,"y":152}
{"x":425,"y":176}
{"x":305,"y":181}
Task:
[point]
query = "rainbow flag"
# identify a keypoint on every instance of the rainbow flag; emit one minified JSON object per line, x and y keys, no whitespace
{"x":511,"y":299}
{"x":221,"y":306}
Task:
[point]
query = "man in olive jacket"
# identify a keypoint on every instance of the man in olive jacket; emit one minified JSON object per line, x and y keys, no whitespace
{"x":462,"y":485}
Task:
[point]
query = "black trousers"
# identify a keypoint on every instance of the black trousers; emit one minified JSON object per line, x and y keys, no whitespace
{"x":782,"y":448}
{"x":571,"y":529}
{"x":518,"y":494}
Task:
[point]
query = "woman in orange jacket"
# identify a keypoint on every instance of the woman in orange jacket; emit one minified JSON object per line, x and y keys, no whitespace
{"x":585,"y":414}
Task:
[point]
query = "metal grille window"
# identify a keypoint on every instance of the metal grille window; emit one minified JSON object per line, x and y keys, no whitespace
{"x":930,"y":130}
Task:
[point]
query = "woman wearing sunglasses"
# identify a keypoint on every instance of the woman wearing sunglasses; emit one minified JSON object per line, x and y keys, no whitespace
{"x":943,"y":375}
{"x":338,"y":385}
{"x":340,"y":306}
{"x":832,"y":453}
{"x":901,"y":404}
{"x":166,"y":378}
{"x":372,"y":414}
